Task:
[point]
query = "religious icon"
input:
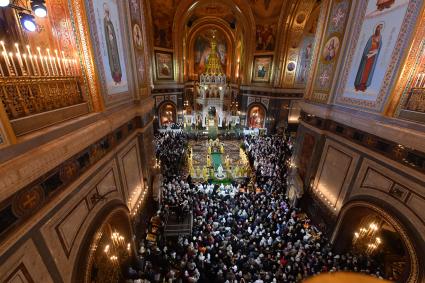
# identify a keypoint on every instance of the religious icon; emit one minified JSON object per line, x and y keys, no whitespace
{"x":164,"y":65}
{"x":262,"y":66}
{"x":261,"y":71}
{"x":291,"y":66}
{"x":331,"y":48}
{"x":369,"y":60}
{"x":265,"y":37}
{"x":112,"y":46}
{"x":137,"y":36}
{"x":384,"y":4}
{"x":256,"y":117}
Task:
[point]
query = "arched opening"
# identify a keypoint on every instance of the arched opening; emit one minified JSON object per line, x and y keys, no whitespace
{"x":200,"y":47}
{"x":167,"y":114}
{"x":369,"y":230}
{"x":256,"y":116}
{"x":108,"y":248}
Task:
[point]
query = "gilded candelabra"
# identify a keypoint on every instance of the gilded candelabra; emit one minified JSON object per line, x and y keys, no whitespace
{"x":36,"y":82}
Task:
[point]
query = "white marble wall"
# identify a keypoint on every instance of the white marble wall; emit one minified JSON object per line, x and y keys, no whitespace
{"x":132,"y":176}
{"x":25,"y":266}
{"x":335,"y":171}
{"x":63,"y":226}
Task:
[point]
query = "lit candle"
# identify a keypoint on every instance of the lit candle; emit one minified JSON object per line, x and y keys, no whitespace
{"x":19,"y":57}
{"x":47,"y":66}
{"x":65,"y":69}
{"x":55,"y":69}
{"x":64,"y":66}
{"x":68,"y":66}
{"x":71,"y":67}
{"x":26,"y":64}
{"x":6,"y":60}
{"x":41,"y":61}
{"x":31,"y":60}
{"x":20,"y":64}
{"x":9,"y":66}
{"x":1,"y":70}
{"x":75,"y":66}
{"x":59,"y":62}
{"x":38,"y":67}
{"x":13,"y":63}
{"x":50,"y":60}
{"x":2,"y":44}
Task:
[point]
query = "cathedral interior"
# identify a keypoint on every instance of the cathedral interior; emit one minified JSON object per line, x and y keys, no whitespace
{"x":212,"y":141}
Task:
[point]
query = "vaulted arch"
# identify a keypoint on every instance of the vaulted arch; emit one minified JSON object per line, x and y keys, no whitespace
{"x":244,"y":24}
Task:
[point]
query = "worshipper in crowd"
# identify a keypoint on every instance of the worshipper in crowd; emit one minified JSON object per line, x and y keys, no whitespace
{"x":174,"y":126}
{"x":241,"y":236}
{"x":170,"y":150}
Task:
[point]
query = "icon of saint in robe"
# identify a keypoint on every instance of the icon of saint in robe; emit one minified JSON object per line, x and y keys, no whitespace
{"x":112,"y":46}
{"x":369,"y":60}
{"x":330,"y":50}
{"x":261,"y":72}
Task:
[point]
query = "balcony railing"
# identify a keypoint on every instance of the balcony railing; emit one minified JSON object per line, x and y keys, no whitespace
{"x":35,"y":82}
{"x":25,"y":96}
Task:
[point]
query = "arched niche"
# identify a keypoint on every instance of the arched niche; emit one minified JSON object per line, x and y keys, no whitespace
{"x":394,"y":236}
{"x":107,"y":248}
{"x":245,"y":25}
{"x":167,"y":113}
{"x":202,"y":30}
{"x":256,"y":116}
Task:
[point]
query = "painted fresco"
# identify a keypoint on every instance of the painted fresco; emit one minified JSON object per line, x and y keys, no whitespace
{"x":329,"y":52}
{"x":266,"y":14}
{"x":164,"y":65}
{"x":262,"y":68}
{"x":304,"y":60}
{"x":202,"y":49}
{"x":374,"y":49}
{"x":162,"y":20}
{"x":111,"y":45}
{"x":138,"y":43}
{"x":214,"y":10}
{"x":256,"y":117}
{"x":265,"y":37}
{"x":266,"y":9}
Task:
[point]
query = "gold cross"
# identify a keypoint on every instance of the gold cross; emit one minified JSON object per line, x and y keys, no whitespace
{"x":30,"y":200}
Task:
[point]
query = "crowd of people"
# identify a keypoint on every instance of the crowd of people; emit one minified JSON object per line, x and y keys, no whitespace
{"x":245,"y":236}
{"x":269,"y":157}
{"x":173,"y":126}
{"x":171,"y":150}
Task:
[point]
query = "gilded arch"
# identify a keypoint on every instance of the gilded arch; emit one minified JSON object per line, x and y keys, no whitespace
{"x":245,"y":26}
{"x":112,"y":212}
{"x":406,"y":235}
{"x":203,"y":25}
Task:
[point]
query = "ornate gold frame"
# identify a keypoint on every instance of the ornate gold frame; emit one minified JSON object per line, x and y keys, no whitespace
{"x":408,"y":69}
{"x":81,"y":26}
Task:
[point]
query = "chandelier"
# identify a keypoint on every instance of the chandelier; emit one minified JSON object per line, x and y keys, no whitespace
{"x":117,"y":250}
{"x":366,"y":239}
